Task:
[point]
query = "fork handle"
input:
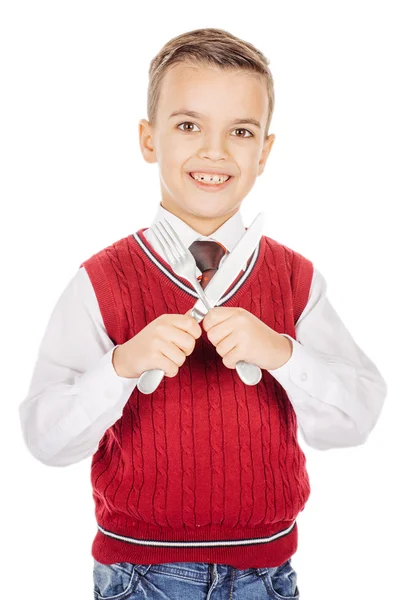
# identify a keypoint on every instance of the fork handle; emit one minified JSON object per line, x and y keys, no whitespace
{"x":150,"y":380}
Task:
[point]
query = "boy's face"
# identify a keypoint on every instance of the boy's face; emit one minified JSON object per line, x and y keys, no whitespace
{"x":182,"y":144}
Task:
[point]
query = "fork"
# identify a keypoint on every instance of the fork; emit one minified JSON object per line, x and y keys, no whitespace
{"x":180,"y":258}
{"x":183,"y":263}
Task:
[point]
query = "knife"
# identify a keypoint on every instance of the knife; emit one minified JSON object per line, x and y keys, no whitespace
{"x":223,"y":278}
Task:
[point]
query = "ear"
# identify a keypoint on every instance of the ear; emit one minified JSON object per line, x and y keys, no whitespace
{"x":265,"y":152}
{"x":146,"y":141}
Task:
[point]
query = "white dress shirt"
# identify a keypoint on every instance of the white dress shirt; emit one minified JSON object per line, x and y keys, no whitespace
{"x":75,"y":394}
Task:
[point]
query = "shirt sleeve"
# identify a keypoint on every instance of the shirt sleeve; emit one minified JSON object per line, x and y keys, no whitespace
{"x":75,"y":394}
{"x":336,"y":390}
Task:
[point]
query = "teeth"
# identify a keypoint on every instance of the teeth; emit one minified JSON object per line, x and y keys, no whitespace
{"x":208,"y":178}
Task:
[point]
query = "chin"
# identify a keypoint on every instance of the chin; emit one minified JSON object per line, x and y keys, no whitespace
{"x":207,"y":210}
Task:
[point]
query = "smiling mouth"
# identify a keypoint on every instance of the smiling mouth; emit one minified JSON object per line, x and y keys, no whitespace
{"x":201,"y":180}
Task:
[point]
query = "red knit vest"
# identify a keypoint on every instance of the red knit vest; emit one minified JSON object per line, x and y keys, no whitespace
{"x":205,"y":469}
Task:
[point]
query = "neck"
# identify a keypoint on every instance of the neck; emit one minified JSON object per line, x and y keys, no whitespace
{"x":203,"y":225}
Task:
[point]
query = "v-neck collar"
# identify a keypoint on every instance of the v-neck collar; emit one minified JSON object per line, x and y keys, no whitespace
{"x":181,"y":286}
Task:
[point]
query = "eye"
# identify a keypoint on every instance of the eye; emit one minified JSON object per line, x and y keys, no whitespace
{"x":241,"y":129}
{"x":186,"y":123}
{"x":191,"y":123}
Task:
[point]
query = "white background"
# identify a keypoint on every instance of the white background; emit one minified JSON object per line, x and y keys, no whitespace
{"x":74,"y":82}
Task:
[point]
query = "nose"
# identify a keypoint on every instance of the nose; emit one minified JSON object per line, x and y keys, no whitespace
{"x":214,"y":148}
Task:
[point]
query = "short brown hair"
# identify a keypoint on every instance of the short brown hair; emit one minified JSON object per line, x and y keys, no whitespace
{"x":207,"y":47}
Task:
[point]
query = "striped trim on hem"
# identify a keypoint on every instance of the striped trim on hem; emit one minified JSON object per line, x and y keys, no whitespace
{"x":211,"y":543}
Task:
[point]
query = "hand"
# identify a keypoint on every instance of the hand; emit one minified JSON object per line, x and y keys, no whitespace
{"x":164,"y":343}
{"x":239,"y":335}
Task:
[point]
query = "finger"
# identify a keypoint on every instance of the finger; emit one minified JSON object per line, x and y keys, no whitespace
{"x":231,"y":359}
{"x":218,"y":332}
{"x":168,"y":366}
{"x":174,"y":354}
{"x":217,"y":315}
{"x":226,"y":345}
{"x":184,"y":340}
{"x":188,"y":323}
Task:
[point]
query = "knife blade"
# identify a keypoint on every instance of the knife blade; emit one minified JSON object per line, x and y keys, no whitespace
{"x":223,"y":278}
{"x":229,"y":270}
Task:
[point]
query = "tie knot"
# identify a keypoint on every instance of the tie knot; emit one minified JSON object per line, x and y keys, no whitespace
{"x":207,"y":254}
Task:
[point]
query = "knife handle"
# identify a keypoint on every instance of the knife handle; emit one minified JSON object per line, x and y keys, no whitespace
{"x":250,"y":374}
{"x":149,"y":380}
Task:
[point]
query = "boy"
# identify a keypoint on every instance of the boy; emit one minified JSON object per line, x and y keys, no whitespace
{"x":197,"y":486}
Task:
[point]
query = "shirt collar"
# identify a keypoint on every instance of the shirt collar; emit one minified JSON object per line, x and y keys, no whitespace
{"x":228,"y":234}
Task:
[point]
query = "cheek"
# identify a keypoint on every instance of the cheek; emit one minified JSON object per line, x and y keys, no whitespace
{"x":249,"y":163}
{"x":174,"y":162}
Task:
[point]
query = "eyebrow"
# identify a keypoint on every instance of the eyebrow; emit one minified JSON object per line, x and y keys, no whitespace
{"x":196,"y":115}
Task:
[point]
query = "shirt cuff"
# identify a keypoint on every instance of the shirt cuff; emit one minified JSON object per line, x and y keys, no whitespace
{"x":102,"y":389}
{"x":283,"y":370}
{"x":300,"y":373}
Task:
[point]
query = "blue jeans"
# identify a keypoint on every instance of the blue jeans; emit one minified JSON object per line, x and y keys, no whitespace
{"x":193,"y":581}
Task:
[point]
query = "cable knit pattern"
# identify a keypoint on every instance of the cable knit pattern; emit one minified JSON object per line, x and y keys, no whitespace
{"x":205,"y":468}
